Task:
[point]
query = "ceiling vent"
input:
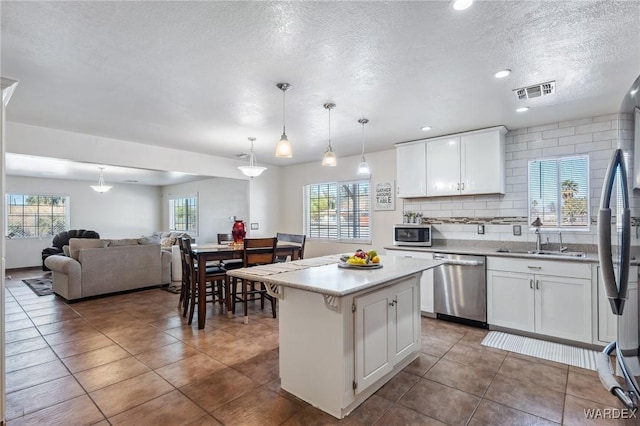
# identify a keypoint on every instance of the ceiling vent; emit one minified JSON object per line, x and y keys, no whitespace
{"x":543,"y":89}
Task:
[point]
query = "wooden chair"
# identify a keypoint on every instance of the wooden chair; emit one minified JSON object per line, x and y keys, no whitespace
{"x":291,"y":238}
{"x":257,"y":251}
{"x":216,"y":275}
{"x":230,"y":263}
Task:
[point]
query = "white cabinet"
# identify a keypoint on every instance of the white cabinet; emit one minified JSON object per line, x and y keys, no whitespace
{"x":411,"y":170}
{"x":387,"y":329}
{"x":608,"y":322}
{"x":551,"y":298}
{"x":467,"y":163}
{"x":426,"y":281}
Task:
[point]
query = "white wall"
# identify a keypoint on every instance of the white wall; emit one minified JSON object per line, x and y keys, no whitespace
{"x":126,"y":211}
{"x":218,"y":199}
{"x":383,"y":169}
{"x":267,"y":208}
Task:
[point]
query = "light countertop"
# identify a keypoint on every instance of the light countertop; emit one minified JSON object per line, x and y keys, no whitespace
{"x":331,"y":280}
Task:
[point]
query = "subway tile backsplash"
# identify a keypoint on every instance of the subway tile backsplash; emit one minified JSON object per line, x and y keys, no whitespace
{"x":457,"y":217}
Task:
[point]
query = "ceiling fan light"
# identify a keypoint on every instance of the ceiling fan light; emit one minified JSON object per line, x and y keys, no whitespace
{"x":283,"y":149}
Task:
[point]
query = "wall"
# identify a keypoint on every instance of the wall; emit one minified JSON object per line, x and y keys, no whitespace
{"x":125,"y":211}
{"x":596,"y":136}
{"x":218,"y":199}
{"x":383,"y":168}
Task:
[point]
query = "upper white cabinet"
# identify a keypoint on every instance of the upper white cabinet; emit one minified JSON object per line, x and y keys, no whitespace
{"x":467,"y":163}
{"x":411,"y":170}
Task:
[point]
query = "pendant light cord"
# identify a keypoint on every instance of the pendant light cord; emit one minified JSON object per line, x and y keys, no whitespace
{"x":284,"y":93}
{"x":329,"y":128}
{"x":363,"y":139}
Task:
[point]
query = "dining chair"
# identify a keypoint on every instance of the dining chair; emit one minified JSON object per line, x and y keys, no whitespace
{"x":291,"y":238}
{"x":229,"y":263}
{"x":257,"y":251}
{"x":216,"y":275}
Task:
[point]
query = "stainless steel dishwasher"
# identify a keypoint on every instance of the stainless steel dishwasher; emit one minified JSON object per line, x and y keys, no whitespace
{"x":460,"y":288}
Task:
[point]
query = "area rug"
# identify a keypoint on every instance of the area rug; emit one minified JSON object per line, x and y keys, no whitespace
{"x":578,"y":357}
{"x":40,"y":286}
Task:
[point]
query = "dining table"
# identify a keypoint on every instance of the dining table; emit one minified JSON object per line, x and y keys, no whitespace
{"x":209,"y":252}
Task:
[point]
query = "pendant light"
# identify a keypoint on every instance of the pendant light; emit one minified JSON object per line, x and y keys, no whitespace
{"x":252,"y":170}
{"x":329,"y":158}
{"x":283,"y":149}
{"x":101,"y":187}
{"x":363,"y":167}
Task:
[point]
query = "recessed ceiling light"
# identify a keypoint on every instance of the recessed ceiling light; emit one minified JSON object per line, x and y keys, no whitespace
{"x":426,"y":128}
{"x":522,"y":109}
{"x":462,"y":4}
{"x":502,"y":73}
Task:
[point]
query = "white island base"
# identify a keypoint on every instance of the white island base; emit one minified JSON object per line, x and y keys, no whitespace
{"x":335,"y":352}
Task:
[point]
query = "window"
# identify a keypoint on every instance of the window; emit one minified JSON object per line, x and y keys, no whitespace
{"x":559,"y":192}
{"x":183,"y":214}
{"x":338,"y":211}
{"x":36,"y":215}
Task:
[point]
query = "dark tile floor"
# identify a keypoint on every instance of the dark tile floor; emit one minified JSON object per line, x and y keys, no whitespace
{"x":131,"y":359}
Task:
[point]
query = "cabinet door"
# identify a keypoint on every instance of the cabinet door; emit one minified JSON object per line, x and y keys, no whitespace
{"x":406,"y":319}
{"x":443,"y":167}
{"x":373,"y":328}
{"x":411,"y":170}
{"x":482,"y":163}
{"x":426,"y":280}
{"x":563,"y":307}
{"x":510,"y":299}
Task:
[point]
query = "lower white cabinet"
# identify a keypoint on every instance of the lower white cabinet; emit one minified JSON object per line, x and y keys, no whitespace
{"x":551,"y":298}
{"x":608,"y":322}
{"x":387,"y":329}
{"x":426,"y":281}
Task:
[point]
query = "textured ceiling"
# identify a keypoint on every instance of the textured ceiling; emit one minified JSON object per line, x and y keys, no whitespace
{"x":201,"y":76}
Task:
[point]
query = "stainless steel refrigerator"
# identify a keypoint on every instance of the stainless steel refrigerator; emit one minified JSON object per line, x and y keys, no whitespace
{"x":614,"y":266}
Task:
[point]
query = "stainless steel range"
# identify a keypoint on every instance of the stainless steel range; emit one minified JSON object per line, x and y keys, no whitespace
{"x":460,"y":288}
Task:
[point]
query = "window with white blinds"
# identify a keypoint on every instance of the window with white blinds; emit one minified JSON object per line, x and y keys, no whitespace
{"x":183,"y":214}
{"x":559,"y":192}
{"x":338,"y":211}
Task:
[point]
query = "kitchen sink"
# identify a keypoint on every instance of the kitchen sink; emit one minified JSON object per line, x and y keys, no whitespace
{"x":544,"y":252}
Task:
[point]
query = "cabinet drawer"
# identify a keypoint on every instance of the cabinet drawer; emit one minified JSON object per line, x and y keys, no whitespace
{"x":542,"y":267}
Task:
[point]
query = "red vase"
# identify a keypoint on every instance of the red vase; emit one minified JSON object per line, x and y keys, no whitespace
{"x":238,"y":232}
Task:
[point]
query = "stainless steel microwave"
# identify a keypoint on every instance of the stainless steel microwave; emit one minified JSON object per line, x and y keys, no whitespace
{"x":412,"y":235}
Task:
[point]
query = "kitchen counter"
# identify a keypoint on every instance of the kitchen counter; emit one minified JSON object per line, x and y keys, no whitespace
{"x":470,"y":248}
{"x":343,"y":333}
{"x":322,"y":275}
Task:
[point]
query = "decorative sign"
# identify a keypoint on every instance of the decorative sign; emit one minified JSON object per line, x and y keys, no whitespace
{"x":385,"y":197}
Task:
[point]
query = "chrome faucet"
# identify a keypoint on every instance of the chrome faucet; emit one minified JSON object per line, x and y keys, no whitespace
{"x":562,"y":249}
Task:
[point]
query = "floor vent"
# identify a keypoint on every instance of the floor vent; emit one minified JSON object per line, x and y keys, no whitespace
{"x":543,"y":89}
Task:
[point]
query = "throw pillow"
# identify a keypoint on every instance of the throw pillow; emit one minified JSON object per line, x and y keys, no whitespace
{"x":65,"y":250}
{"x":152,"y":239}
{"x":167,"y":242}
{"x":75,"y":244}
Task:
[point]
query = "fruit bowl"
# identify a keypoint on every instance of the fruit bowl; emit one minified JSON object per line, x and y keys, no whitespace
{"x":360,"y":259}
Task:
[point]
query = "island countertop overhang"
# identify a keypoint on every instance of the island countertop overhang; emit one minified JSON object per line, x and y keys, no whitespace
{"x":331,"y":280}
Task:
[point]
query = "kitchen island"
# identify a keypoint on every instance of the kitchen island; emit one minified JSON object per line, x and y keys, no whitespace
{"x":343,"y":332}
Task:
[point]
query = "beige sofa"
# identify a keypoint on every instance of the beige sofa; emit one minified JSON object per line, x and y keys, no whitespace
{"x":99,"y":266}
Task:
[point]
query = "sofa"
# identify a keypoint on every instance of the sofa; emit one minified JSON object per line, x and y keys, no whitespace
{"x":62,"y":239}
{"x":169,"y":241}
{"x":99,"y":266}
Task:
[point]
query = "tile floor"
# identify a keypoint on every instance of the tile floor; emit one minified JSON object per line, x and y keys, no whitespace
{"x":131,"y":359}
